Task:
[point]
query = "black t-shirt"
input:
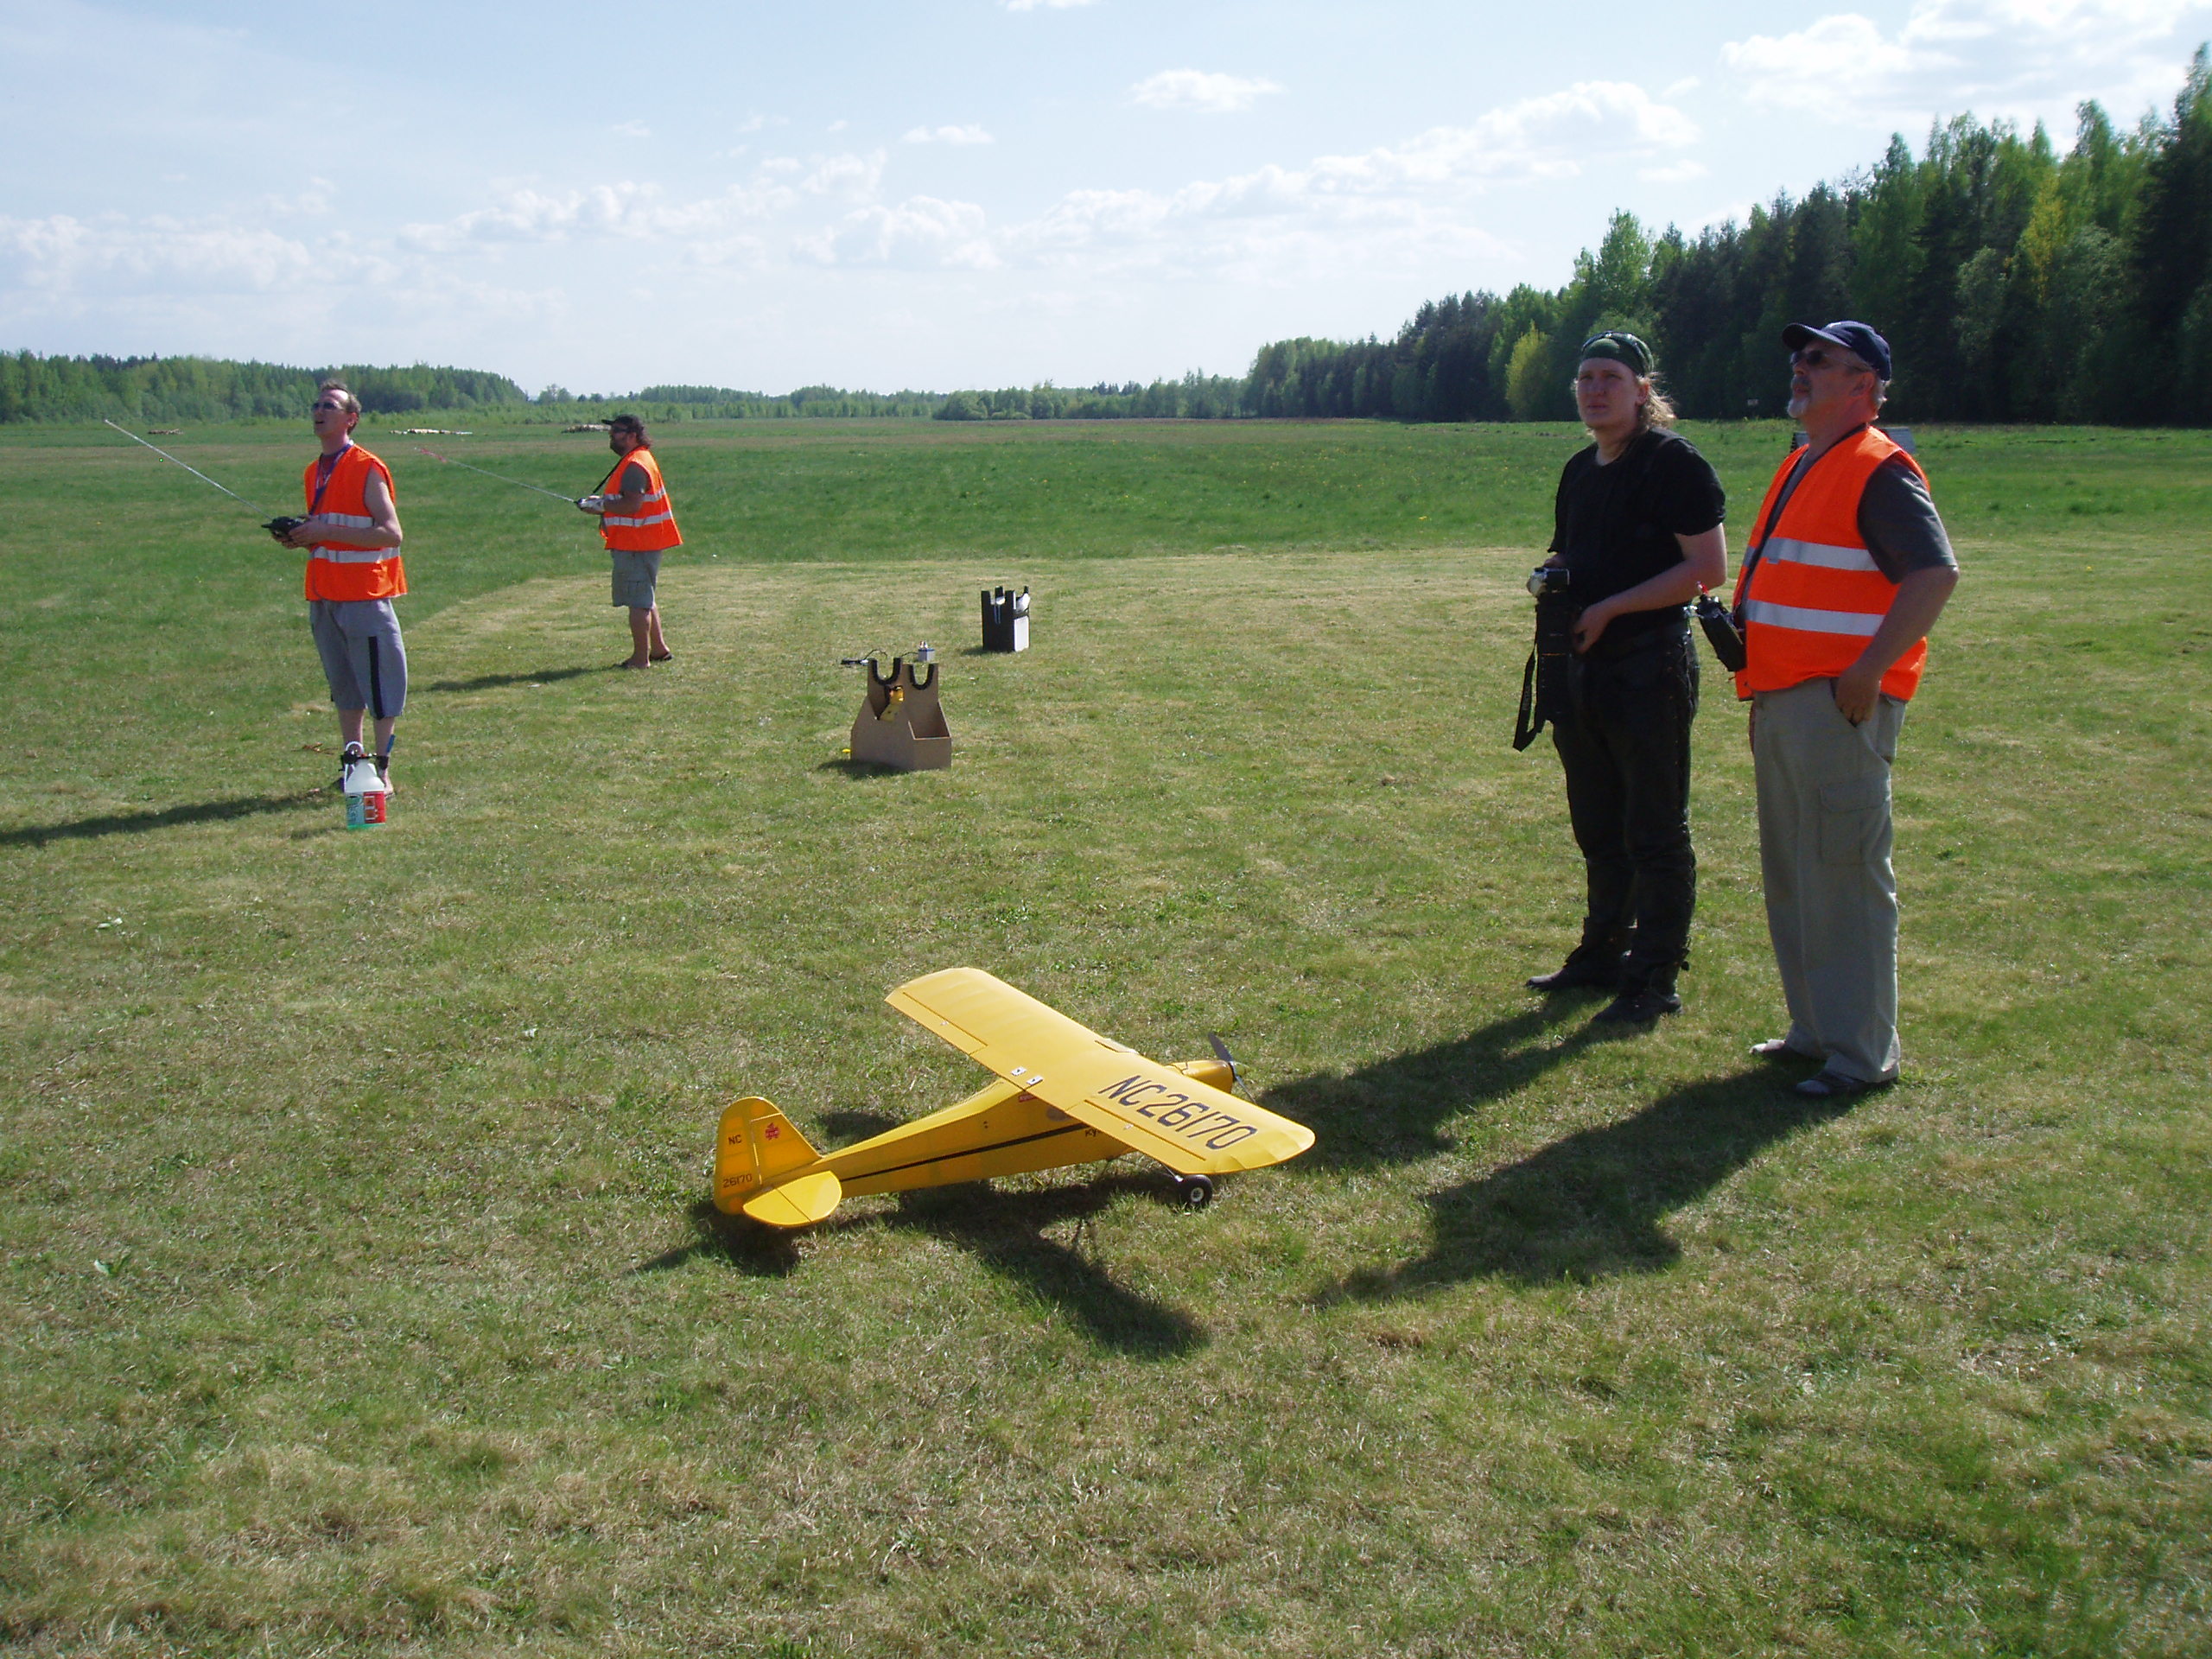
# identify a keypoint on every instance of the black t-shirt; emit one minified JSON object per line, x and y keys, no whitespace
{"x":1615,"y":525}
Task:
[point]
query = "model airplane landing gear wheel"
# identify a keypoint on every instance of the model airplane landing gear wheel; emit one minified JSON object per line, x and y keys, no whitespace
{"x":1194,"y":1192}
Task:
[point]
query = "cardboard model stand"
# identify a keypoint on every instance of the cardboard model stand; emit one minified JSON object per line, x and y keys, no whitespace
{"x":901,"y":724}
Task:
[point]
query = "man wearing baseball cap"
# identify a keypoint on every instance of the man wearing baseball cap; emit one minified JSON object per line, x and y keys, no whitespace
{"x":1847,"y":570}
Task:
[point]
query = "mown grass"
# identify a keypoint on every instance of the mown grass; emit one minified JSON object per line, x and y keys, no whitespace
{"x":360,"y":1297}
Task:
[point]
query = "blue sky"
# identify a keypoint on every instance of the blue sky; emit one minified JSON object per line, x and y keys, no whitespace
{"x":941,"y":194}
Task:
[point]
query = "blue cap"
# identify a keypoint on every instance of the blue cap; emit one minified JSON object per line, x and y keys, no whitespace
{"x":1856,"y":338}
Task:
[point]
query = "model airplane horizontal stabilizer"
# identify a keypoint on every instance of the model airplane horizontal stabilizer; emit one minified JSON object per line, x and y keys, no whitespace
{"x":1067,"y":1095}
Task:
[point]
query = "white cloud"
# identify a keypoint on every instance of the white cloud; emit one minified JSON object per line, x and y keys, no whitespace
{"x":1412,"y":200}
{"x":530,"y":215}
{"x":111,"y":254}
{"x":1196,"y":89}
{"x":1550,"y":136}
{"x":630,"y":212}
{"x":630,"y":129}
{"x":920,"y":230}
{"x":315,"y":200}
{"x":1374,"y":215}
{"x":2022,"y":57}
{"x":1840,"y":60}
{"x":968,"y":135}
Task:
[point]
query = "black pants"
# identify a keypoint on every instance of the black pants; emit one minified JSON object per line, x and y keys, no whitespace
{"x":1625,"y":748}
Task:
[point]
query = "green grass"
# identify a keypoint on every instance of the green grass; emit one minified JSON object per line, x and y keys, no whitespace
{"x":359,"y":1297}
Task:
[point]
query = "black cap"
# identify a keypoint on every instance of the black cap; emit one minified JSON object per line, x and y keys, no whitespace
{"x":1620,"y":346}
{"x":1856,"y":338}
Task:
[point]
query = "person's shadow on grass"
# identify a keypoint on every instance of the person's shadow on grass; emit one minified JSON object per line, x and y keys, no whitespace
{"x":493,"y":682}
{"x":1590,"y":1204}
{"x":1391,"y":1111}
{"x":166,"y":817}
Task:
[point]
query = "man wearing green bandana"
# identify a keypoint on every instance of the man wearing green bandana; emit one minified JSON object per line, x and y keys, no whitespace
{"x":1637,"y":526}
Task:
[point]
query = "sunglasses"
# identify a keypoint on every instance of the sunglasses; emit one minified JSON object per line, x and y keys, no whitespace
{"x":1822,"y":357}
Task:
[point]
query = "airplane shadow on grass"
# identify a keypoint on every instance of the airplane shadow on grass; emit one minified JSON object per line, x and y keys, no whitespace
{"x":1005,"y":1231}
{"x":1592,"y":1204}
{"x":168,"y":817}
{"x":755,"y":1251}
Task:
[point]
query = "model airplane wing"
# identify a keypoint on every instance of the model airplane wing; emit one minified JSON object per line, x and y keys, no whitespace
{"x":1190,"y":1127}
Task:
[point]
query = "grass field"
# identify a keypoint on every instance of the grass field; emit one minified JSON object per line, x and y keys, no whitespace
{"x":360,"y":1297}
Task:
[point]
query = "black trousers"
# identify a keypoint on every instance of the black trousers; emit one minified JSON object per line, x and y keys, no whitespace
{"x":1625,"y":748}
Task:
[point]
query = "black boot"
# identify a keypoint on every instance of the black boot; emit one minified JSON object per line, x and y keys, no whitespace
{"x":1646,"y":993}
{"x":1587,"y":968}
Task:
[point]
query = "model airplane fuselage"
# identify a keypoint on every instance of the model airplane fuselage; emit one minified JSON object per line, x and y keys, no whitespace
{"x":1065,"y":1095}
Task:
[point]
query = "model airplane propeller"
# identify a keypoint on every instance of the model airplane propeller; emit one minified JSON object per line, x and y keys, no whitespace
{"x":1065,"y":1095}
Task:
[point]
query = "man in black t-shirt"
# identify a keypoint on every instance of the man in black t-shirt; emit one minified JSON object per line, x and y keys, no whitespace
{"x":1637,"y":526}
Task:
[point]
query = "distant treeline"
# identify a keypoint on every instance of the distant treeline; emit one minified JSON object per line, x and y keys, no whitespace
{"x":1194,"y":398}
{"x":720,"y":402}
{"x":2014,"y":285}
{"x":155,"y":389}
{"x":162,"y":389}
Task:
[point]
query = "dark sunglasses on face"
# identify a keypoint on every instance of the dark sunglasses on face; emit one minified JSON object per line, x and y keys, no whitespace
{"x":1818,"y":357}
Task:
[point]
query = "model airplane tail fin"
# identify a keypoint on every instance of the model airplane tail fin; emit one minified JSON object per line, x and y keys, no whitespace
{"x":762,"y":1164}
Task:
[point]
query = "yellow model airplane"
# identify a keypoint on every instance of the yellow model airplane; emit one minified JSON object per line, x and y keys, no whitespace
{"x":1065,"y":1095}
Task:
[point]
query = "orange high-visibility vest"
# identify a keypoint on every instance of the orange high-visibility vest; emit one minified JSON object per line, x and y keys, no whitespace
{"x":338,"y":569}
{"x":654,"y":527}
{"x":1816,"y":595}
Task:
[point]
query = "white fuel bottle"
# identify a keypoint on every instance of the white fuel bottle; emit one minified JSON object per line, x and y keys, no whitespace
{"x":367,"y":793}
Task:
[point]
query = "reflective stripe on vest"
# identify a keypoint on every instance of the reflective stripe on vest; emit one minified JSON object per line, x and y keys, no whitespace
{"x":649,"y":530}
{"x":651,"y":518}
{"x":341,"y":568}
{"x":1816,"y":596}
{"x":1797,"y":616}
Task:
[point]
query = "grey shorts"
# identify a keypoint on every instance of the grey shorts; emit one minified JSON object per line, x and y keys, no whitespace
{"x":636,"y":576}
{"x":363,"y":656}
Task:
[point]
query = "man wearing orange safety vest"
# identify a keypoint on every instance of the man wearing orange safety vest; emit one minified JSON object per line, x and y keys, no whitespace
{"x":1847,"y":570}
{"x":637,"y":526}
{"x":351,"y":536}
